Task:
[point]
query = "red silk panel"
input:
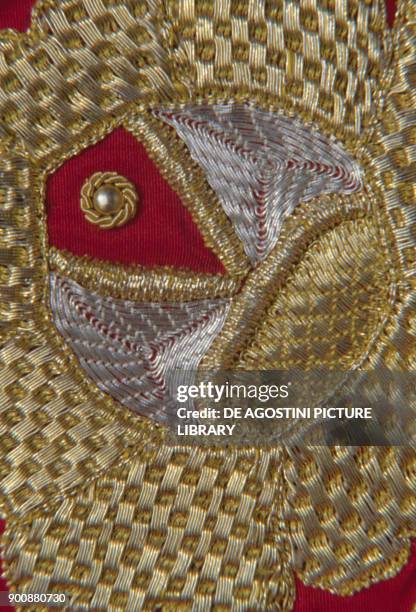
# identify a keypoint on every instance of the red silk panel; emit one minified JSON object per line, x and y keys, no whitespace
{"x":15,"y":14}
{"x":391,"y":11}
{"x":162,"y":233}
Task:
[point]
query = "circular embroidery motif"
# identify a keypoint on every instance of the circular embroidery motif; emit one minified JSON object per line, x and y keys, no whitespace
{"x":108,"y":200}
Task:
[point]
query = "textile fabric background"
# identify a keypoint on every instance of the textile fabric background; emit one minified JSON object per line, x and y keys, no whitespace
{"x":174,"y":241}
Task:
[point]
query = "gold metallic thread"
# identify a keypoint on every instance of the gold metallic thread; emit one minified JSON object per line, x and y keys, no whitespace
{"x":139,"y":283}
{"x":74,"y":462}
{"x":109,"y":183}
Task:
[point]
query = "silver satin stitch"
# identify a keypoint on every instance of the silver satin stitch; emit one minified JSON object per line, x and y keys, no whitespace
{"x":261,"y":165}
{"x":131,"y":349}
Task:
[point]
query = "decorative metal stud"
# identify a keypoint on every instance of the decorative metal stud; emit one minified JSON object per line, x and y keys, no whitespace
{"x":108,"y":200}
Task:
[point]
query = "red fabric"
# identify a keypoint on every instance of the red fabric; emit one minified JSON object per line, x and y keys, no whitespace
{"x":15,"y":14}
{"x":162,"y":233}
{"x":167,"y":236}
{"x":391,"y":11}
{"x":395,"y":595}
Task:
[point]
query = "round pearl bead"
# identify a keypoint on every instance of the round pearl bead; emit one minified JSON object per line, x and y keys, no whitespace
{"x":107,"y":199}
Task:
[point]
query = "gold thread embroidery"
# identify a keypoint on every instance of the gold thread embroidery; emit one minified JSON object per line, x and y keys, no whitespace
{"x":244,"y":487}
{"x":138,"y":283}
{"x":187,"y":178}
{"x":44,"y":419}
{"x":306,"y":225}
{"x":181,"y":172}
{"x":108,"y":200}
{"x":338,"y":531}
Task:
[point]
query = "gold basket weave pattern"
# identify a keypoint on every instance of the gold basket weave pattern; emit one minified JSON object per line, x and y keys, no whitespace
{"x":89,"y":510}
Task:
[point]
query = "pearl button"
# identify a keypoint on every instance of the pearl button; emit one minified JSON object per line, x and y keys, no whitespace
{"x":107,"y":199}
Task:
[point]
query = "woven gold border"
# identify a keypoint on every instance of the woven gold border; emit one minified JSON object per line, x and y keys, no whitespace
{"x":178,"y":168}
{"x":30,"y":336}
{"x":251,"y":482}
{"x":166,"y":63}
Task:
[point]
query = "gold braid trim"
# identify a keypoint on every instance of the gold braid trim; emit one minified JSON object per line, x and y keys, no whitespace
{"x":125,"y":190}
{"x":139,"y":283}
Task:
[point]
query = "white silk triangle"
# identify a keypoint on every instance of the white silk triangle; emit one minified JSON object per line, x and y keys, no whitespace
{"x":131,"y":349}
{"x":261,"y":165}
